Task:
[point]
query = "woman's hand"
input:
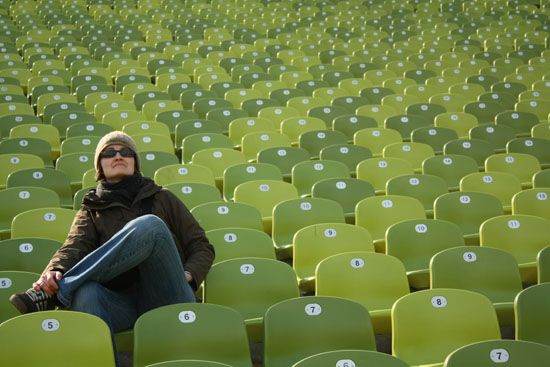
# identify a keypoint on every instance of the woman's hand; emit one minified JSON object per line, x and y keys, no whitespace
{"x":48,"y":282}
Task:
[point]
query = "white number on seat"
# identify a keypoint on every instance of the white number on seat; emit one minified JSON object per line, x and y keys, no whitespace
{"x":223,"y":210}
{"x":513,"y":224}
{"x":341,"y":185}
{"x":187,"y":317}
{"x":305,"y":206}
{"x":499,"y":355}
{"x":421,"y":228}
{"x":24,"y":195}
{"x":313,"y":309}
{"x":487,"y":179}
{"x":345,"y":363}
{"x":50,"y":217}
{"x":247,"y":269}
{"x":26,"y":248}
{"x":357,"y":263}
{"x":50,"y":325}
{"x":330,"y":232}
{"x":439,"y":301}
{"x":5,"y":283}
{"x":469,"y":257}
{"x":230,"y":237}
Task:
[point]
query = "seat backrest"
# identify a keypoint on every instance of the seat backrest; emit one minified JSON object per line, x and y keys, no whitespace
{"x":240,"y":173}
{"x":450,"y":318}
{"x":468,"y":210}
{"x":498,"y":352}
{"x":211,"y":332}
{"x":378,"y":213}
{"x":46,"y":178}
{"x":346,"y":191}
{"x":150,"y":161}
{"x":293,"y":127}
{"x":264,"y":194}
{"x":415,"y":153}
{"x":51,"y":223}
{"x":315,"y":140}
{"x":521,"y":165}
{"x":315,"y":242}
{"x":377,"y":171}
{"x":216,"y":215}
{"x":292,"y":215}
{"x":450,"y":167}
{"x":543,"y":265}
{"x":85,"y":339}
{"x":13,"y":162}
{"x":489,"y":271}
{"x":235,"y":242}
{"x":244,"y":125}
{"x":376,"y":138}
{"x":27,"y":254}
{"x":423,"y":187}
{"x":193,"y":194}
{"x":351,"y":357}
{"x":74,"y":165}
{"x":283,"y":157}
{"x":519,"y":234}
{"x":537,"y":147}
{"x":306,"y":174}
{"x":12,"y":281}
{"x":520,"y":121}
{"x":254,"y":142}
{"x":502,"y":185}
{"x":531,"y":310}
{"x":477,"y":149}
{"x":349,"y":154}
{"x":196,"y":142}
{"x":26,"y":145}
{"x":541,"y":178}
{"x":218,"y":159}
{"x":498,"y":135}
{"x":297,"y":328}
{"x":415,"y":241}
{"x":189,"y":363}
{"x":374,"y":280}
{"x":250,"y":285}
{"x":20,"y":199}
{"x":185,"y":173}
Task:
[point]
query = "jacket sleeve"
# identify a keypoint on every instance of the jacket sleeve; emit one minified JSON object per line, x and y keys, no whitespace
{"x":198,"y":253}
{"x":81,"y":240}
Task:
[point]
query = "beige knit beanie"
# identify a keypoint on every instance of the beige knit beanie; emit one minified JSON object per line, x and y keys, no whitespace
{"x":114,"y":137}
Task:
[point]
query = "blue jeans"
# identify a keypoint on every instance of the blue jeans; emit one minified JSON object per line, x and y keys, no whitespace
{"x":146,"y":243}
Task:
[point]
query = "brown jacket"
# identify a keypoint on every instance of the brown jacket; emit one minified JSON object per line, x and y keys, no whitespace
{"x":97,"y":221}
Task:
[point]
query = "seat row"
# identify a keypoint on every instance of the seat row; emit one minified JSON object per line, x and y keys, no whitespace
{"x":294,"y":329}
{"x":381,"y":223}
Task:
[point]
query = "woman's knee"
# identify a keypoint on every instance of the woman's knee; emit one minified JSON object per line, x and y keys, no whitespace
{"x":148,"y":223}
{"x":90,"y":298}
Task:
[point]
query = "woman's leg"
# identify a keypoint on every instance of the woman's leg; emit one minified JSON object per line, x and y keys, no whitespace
{"x":117,"y":309}
{"x":145,"y":242}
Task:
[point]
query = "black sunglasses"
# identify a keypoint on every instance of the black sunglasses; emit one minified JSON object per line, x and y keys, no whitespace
{"x":124,"y":152}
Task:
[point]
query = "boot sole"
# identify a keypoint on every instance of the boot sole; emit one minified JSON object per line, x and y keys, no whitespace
{"x":19,"y":304}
